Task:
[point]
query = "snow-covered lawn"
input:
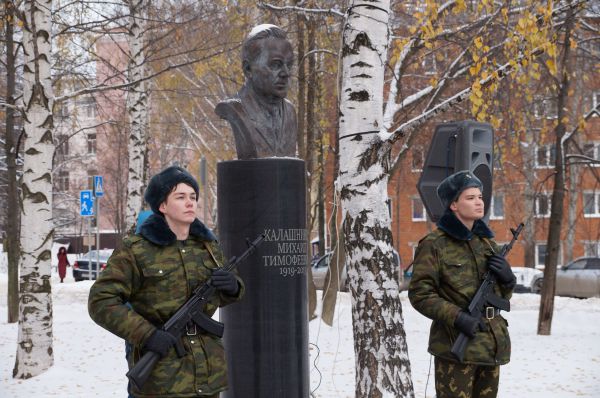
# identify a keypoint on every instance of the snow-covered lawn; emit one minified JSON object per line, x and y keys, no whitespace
{"x":89,"y":362}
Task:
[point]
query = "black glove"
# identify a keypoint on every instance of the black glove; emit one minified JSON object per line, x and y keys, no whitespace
{"x":501,"y":268}
{"x":468,"y":324}
{"x":225,"y":281}
{"x":160,"y":342}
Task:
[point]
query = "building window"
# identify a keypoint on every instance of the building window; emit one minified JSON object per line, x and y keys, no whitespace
{"x":591,"y":248}
{"x":91,"y":143}
{"x":542,"y":205}
{"x":545,"y":108}
{"x":62,"y":181}
{"x":418,"y":210}
{"x":418,"y":159}
{"x":497,"y":207}
{"x":63,"y":110}
{"x":596,"y":102}
{"x":544,"y":156}
{"x":592,"y":151}
{"x":62,"y":145}
{"x":87,"y":106}
{"x":591,"y":204}
{"x":540,"y":255}
{"x":429,"y":64}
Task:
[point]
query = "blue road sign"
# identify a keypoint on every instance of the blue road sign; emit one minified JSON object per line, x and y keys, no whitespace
{"x":86,"y":202}
{"x":98,"y":186}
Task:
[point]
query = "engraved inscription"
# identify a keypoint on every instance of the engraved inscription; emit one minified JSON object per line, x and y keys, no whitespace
{"x":291,"y":254}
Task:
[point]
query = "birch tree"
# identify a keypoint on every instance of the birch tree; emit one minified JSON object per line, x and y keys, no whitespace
{"x":34,"y":349}
{"x":137,"y":107}
{"x":382,"y":363}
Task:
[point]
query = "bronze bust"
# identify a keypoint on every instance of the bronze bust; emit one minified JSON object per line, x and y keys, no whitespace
{"x":263,"y":121}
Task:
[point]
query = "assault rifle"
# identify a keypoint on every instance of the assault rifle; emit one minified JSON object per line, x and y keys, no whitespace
{"x":191,"y":311}
{"x":485,"y":297}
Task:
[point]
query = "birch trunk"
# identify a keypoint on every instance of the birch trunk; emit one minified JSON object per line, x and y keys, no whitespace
{"x":34,"y":345}
{"x":137,"y":108}
{"x":382,"y":364}
{"x":11,"y":241}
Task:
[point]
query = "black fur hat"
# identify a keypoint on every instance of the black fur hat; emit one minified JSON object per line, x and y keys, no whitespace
{"x":161,"y":184}
{"x":451,"y":187}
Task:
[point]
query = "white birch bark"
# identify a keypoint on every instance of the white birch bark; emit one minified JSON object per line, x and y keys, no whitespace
{"x":137,"y":108}
{"x":382,"y":363}
{"x":34,"y":344}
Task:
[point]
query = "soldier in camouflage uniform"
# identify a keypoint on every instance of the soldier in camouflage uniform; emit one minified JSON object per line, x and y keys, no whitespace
{"x":152,"y":275}
{"x":449,"y":267}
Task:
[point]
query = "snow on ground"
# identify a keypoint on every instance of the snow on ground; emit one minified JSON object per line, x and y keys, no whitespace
{"x":89,"y":361}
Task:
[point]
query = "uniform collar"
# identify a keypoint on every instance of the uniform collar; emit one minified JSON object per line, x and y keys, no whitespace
{"x":157,"y":231}
{"x":455,"y":228}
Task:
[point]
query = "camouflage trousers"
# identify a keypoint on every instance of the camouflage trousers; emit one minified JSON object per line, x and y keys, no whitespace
{"x":455,"y":380}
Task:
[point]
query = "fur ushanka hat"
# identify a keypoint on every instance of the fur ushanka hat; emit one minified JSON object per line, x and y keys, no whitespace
{"x":452,"y":186}
{"x":161,"y":184}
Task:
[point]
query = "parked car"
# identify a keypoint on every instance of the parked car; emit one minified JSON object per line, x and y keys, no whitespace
{"x":81,"y":267}
{"x":525,"y":278}
{"x":579,"y":278}
{"x":321,"y":265}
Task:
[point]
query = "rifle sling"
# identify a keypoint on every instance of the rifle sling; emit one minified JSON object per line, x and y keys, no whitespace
{"x":211,"y":254}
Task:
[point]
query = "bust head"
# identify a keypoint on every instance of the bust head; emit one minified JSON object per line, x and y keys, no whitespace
{"x":267,"y":58}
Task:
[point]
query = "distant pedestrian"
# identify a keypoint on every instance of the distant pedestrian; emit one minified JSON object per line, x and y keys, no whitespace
{"x":63,"y":263}
{"x":449,"y":266}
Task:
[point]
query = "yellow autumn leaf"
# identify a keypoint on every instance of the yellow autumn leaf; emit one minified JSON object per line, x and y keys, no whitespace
{"x":551,"y":66}
{"x":572,"y":43}
{"x":477,"y":101}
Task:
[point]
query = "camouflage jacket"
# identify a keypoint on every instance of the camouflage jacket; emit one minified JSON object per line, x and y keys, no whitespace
{"x":155,"y":274}
{"x":449,"y":267}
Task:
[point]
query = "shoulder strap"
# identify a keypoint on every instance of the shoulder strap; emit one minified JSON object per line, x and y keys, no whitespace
{"x":211,"y":254}
{"x":487,"y":240}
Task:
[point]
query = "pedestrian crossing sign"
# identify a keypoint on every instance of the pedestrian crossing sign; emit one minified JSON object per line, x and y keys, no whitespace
{"x":98,"y":186}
